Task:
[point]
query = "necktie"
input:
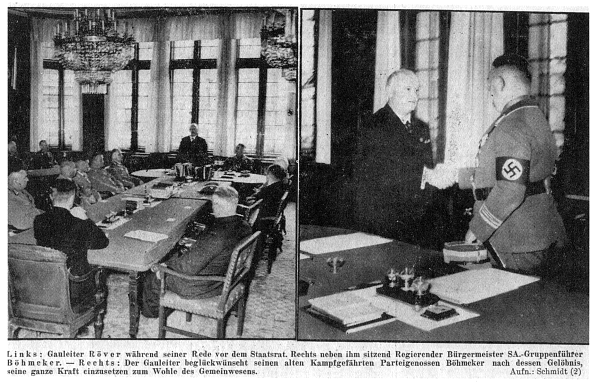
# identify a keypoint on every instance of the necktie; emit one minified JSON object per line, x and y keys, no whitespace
{"x":408,"y":126}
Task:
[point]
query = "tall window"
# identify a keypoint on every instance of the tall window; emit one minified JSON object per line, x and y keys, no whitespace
{"x":261,"y":102}
{"x":548,"y":60}
{"x":195,"y":89}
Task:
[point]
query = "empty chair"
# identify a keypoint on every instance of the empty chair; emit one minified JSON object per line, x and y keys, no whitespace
{"x":236,"y":284}
{"x":39,"y":293}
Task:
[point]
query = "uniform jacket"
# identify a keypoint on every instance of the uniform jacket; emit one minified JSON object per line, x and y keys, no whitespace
{"x":387,"y":173}
{"x":21,"y":209}
{"x":210,"y":255}
{"x":43,"y":160}
{"x":120,"y":173}
{"x":85,"y":186}
{"x":102,"y":181}
{"x":518,"y":143}
{"x":193,"y":151}
{"x":238,"y":164}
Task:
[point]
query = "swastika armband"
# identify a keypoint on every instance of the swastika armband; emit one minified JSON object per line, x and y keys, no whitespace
{"x":512,"y":170}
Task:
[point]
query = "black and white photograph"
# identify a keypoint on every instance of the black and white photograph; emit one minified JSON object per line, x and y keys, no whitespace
{"x":152,"y":172}
{"x":444,"y":176}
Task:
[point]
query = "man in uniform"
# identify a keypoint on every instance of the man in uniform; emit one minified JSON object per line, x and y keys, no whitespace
{"x":392,"y":150}
{"x":101,"y":179}
{"x":239,"y":162}
{"x":514,"y":213}
{"x":43,"y":158}
{"x":21,"y":206}
{"x":120,"y":172}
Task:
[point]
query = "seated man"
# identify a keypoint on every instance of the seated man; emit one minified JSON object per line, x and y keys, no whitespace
{"x":120,"y":172}
{"x":193,"y":149}
{"x":43,"y":158}
{"x":271,"y":193}
{"x":21,"y":206}
{"x":68,"y":229}
{"x":87,"y":192}
{"x":15,"y":163}
{"x":210,"y":255}
{"x":239,"y":162}
{"x":101,"y":180}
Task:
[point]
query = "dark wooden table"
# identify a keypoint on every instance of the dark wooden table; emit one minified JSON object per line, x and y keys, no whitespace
{"x":169,"y":217}
{"x":542,"y":312}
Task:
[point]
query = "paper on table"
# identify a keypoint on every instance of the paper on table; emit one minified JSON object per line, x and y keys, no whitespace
{"x":147,"y":236}
{"x":340,"y":243}
{"x":113,"y":225}
{"x":474,"y":285}
{"x":304,"y":256}
{"x":406,"y":313}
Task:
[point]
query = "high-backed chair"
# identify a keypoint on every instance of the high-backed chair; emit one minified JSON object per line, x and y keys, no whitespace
{"x":274,"y":235}
{"x":249,"y":213}
{"x":236,"y":284}
{"x":39,"y":293}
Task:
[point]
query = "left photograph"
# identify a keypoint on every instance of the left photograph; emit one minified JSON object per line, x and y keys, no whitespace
{"x":152,"y":175}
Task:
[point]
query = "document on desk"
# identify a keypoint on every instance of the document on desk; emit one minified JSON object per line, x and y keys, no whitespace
{"x":146,"y":236}
{"x":474,"y":285}
{"x":340,"y":243}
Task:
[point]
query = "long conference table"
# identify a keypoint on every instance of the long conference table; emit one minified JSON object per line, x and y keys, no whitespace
{"x":540,"y":312}
{"x":169,"y":217}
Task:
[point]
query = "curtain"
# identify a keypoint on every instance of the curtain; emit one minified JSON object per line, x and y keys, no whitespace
{"x":324,"y":57}
{"x":476,"y":39}
{"x":226,"y":26}
{"x":388,"y":57}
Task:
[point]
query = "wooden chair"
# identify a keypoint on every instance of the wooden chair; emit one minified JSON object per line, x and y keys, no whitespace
{"x":236,"y":284}
{"x":249,"y":213}
{"x":273,"y":237}
{"x":40,"y":297}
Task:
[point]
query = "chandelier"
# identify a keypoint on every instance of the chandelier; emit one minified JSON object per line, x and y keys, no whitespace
{"x":90,"y":46}
{"x":279,"y":43}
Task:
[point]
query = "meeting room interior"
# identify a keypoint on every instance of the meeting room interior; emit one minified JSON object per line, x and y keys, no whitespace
{"x":152,"y":172}
{"x":410,"y":226}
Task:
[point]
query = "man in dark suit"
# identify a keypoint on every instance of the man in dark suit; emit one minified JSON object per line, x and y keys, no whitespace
{"x":68,"y":229}
{"x":210,"y":255}
{"x":515,"y":214}
{"x":392,"y":150}
{"x":271,"y":193}
{"x":193,"y":149}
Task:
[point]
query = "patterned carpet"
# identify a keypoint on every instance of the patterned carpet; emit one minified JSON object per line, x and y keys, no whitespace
{"x":270,"y":311}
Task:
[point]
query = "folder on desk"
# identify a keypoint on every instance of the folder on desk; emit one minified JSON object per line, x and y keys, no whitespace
{"x":146,"y":236}
{"x":474,"y":285}
{"x":345,"y":308}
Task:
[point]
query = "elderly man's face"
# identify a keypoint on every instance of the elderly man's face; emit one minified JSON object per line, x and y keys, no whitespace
{"x":83,"y":166}
{"x":20,"y":181}
{"x":117,"y":156}
{"x":406,"y":93}
{"x":44,"y":146}
{"x":193,"y":130}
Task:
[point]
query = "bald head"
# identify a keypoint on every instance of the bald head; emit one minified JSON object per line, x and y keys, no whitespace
{"x":67,"y":169}
{"x":402,"y":88}
{"x":224,"y":201}
{"x":17,"y":180}
{"x":507,"y":83}
{"x":12,"y":147}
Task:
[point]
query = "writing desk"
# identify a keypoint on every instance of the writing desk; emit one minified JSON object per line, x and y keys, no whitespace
{"x":237,"y":178}
{"x":542,"y":312}
{"x":169,"y":217}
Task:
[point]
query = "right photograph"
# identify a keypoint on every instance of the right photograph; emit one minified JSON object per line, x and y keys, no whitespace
{"x":444,"y":176}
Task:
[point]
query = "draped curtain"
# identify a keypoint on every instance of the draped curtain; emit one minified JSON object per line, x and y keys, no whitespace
{"x":476,"y":39}
{"x":228,"y":27}
{"x":387,"y":52}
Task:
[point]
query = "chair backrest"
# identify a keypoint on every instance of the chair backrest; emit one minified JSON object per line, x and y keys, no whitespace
{"x":239,"y":268}
{"x":38,"y":283}
{"x":282,"y":204}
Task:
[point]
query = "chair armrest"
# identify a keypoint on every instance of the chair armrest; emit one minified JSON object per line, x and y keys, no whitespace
{"x":166,"y":270}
